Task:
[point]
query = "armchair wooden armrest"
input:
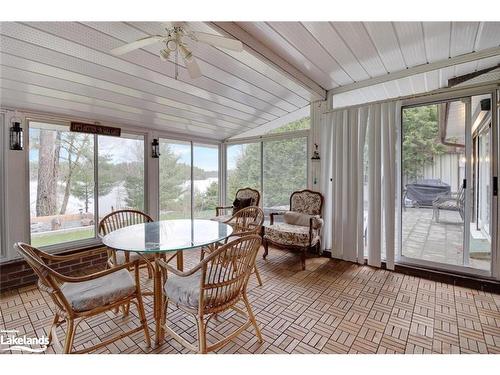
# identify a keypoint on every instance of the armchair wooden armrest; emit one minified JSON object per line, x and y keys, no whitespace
{"x":96,"y":275}
{"x":218,"y":209}
{"x":168,"y":268}
{"x":273,"y":214}
{"x":75,"y":255}
{"x":316,"y":223}
{"x":165,"y":267}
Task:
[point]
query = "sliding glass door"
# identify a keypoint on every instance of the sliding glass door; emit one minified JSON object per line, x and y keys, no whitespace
{"x":446,"y":176}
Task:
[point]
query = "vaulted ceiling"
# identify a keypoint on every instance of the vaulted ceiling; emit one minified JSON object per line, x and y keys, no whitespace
{"x":337,"y":55}
{"x":66,"y":68}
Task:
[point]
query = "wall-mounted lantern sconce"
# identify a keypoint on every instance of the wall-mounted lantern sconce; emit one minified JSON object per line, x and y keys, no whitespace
{"x":155,"y":149}
{"x":16,"y":135}
{"x":486,"y":104}
{"x":315,"y":156}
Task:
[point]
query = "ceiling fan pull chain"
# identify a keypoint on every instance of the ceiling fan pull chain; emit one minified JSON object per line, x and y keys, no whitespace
{"x":176,"y":64}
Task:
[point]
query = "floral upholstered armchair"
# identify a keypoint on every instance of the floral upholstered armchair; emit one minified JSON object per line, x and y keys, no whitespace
{"x":301,"y":226}
{"x":245,"y":197}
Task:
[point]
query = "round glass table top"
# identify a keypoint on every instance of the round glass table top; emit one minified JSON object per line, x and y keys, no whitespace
{"x":167,"y":235}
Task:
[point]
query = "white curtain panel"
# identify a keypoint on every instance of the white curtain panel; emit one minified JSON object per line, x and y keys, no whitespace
{"x":343,"y":137}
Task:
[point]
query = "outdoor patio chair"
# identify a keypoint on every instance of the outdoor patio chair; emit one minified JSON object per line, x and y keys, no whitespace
{"x":215,"y":285}
{"x":449,"y":202}
{"x":78,"y":298}
{"x":121,"y":219}
{"x":301,"y":226}
{"x":246,"y":221}
{"x":245,"y":197}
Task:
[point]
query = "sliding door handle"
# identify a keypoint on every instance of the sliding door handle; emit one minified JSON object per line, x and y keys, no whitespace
{"x":495,"y":186}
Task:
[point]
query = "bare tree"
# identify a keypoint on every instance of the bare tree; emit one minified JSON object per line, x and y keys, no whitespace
{"x":48,"y":168}
{"x":75,"y":146}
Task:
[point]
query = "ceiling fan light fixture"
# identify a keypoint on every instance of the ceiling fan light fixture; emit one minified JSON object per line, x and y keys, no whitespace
{"x":186,"y":54}
{"x":171,"y":45}
{"x":164,"y":54}
{"x":173,"y":41}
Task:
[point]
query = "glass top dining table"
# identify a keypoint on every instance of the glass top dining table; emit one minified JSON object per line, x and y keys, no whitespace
{"x":167,"y":235}
{"x":164,"y":236}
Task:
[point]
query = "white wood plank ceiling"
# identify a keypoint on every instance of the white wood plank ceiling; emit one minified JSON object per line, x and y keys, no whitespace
{"x":339,"y":54}
{"x":66,"y":68}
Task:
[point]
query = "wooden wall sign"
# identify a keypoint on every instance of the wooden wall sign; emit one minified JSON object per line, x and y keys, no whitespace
{"x":81,"y":127}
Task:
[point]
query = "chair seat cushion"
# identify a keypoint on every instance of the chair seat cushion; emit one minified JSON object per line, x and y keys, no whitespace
{"x":186,"y":290}
{"x":183,"y":290}
{"x":298,"y":218}
{"x":105,"y":290}
{"x":288,"y":234}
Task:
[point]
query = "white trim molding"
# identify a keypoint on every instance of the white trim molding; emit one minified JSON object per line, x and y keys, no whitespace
{"x":424,"y":68}
{"x":268,"y":126}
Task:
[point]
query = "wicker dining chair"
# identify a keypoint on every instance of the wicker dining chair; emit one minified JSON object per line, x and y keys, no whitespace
{"x":120,"y":219}
{"x":215,"y":285}
{"x":246,"y":221}
{"x":78,"y":298}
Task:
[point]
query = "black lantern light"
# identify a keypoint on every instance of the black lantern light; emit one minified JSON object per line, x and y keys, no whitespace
{"x":315,"y":155}
{"x":16,"y":135}
{"x":155,"y":149}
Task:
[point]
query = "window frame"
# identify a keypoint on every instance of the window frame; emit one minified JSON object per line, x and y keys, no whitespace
{"x":494,"y":271}
{"x":219,"y":175}
{"x":3,"y":150}
{"x":87,"y":242}
{"x":192,"y":144}
{"x":306,"y":133}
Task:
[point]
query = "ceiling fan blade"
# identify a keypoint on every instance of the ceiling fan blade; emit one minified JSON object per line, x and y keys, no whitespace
{"x":192,"y":67}
{"x":137,"y":44}
{"x":219,"y":41}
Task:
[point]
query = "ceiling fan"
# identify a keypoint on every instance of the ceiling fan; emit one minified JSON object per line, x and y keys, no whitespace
{"x":174,"y":44}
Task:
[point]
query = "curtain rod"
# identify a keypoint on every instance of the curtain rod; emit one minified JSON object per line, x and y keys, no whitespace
{"x":446,"y":90}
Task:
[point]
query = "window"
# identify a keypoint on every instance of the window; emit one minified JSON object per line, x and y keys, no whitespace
{"x":3,"y":252}
{"x":175,"y":180}
{"x":120,"y":168}
{"x":178,"y":162}
{"x":205,"y":180}
{"x":64,"y":182}
{"x":285,"y":171}
{"x":276,"y":168}
{"x":243,"y":168}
